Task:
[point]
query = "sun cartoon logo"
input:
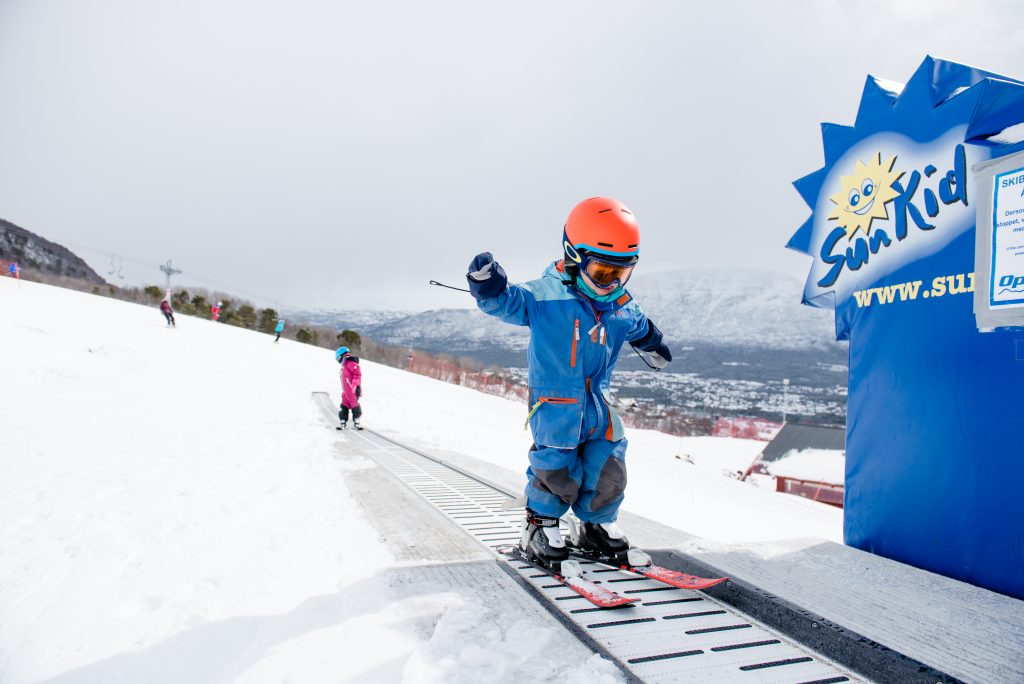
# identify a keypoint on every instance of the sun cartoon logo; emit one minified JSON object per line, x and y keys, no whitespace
{"x":864,"y":195}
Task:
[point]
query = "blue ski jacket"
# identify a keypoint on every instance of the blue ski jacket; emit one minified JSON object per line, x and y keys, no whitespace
{"x":572,"y":353}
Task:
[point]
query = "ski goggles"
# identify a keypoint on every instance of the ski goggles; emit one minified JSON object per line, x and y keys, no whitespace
{"x":607,"y":273}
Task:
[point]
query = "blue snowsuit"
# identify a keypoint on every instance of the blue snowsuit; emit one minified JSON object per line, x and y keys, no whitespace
{"x":579,"y":450}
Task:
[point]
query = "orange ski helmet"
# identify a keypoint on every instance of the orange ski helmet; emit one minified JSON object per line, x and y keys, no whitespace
{"x":602,"y":227}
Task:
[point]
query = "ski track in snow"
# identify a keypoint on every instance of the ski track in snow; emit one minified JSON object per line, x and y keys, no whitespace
{"x":172,"y":508}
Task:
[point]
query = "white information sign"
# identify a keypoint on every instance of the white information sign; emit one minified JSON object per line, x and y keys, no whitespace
{"x":1006,"y":287}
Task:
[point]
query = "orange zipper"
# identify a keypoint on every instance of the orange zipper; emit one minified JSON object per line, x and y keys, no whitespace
{"x":575,"y":341}
{"x":547,"y":400}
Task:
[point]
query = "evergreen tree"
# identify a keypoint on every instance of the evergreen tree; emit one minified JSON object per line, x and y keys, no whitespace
{"x":306,"y":336}
{"x":247,"y":316}
{"x":226,"y":314}
{"x":268,"y":321}
{"x":182,"y":302}
{"x":350,"y":339}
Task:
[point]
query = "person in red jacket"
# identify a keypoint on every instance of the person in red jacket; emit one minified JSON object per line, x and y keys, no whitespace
{"x":351,"y":387}
{"x":167,"y":311}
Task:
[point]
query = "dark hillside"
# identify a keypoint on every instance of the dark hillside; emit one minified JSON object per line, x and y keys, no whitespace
{"x":34,"y":253}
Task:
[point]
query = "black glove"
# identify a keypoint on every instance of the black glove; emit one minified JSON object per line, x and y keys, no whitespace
{"x":658,"y":354}
{"x":486,"y":277}
{"x":359,"y":391}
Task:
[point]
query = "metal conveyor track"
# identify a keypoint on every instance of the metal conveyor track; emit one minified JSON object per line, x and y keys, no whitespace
{"x":671,"y":635}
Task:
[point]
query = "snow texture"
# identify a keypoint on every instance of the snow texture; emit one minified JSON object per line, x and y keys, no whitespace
{"x":173,"y":512}
{"x":815,"y":465}
{"x":173,"y":509}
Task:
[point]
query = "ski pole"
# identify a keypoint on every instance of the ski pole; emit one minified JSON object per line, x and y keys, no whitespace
{"x":434,"y":282}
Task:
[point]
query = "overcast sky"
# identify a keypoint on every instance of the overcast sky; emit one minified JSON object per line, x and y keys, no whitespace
{"x":341,"y":154}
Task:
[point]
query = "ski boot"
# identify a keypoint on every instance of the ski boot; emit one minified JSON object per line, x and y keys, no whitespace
{"x":355,"y":424}
{"x":341,"y":424}
{"x":604,"y":540}
{"x":542,"y":541}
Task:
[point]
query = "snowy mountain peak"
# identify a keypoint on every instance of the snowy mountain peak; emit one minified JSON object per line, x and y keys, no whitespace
{"x":754,"y":308}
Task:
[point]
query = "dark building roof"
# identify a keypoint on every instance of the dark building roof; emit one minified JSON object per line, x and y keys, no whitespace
{"x":798,"y":436}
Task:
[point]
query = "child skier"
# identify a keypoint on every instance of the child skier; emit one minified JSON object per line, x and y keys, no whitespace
{"x":167,"y":311}
{"x":351,"y":387}
{"x":279,"y":329}
{"x":579,"y":315}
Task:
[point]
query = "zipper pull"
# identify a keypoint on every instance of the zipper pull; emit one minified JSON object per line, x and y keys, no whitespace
{"x":530,"y":414}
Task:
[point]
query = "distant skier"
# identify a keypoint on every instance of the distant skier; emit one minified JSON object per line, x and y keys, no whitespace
{"x":579,"y":315}
{"x":279,"y":329}
{"x":351,"y":387}
{"x":168,"y":312}
{"x":215,"y":311}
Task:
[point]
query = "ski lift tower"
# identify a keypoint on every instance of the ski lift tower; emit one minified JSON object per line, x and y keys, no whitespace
{"x":169,"y":271}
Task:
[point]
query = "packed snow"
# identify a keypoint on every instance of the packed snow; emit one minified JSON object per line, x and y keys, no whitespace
{"x":813,"y":465}
{"x":172,"y":507}
{"x":684,"y":482}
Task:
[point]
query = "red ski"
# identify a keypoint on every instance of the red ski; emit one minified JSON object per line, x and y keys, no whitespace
{"x":639,"y":562}
{"x":672,"y":577}
{"x":595,"y":593}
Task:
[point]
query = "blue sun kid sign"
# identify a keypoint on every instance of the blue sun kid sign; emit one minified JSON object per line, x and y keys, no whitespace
{"x":932,"y":402}
{"x":867,"y":199}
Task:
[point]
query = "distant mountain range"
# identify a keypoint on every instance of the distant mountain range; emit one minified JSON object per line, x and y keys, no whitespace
{"x":751,"y":309}
{"x":738,"y":307}
{"x":36,"y":253}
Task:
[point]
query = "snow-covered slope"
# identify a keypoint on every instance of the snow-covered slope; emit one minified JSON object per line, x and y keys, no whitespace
{"x":172,"y":510}
{"x":173,"y":489}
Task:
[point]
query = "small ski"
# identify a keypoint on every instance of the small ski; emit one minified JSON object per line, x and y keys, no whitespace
{"x":639,"y":563}
{"x":673,"y":577}
{"x":596,"y":594}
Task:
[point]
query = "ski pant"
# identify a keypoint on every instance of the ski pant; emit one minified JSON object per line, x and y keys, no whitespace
{"x":278,"y":337}
{"x":357,"y":413}
{"x":591,"y":479}
{"x":169,"y":317}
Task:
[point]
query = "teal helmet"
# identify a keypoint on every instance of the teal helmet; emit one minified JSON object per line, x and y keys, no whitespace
{"x":340,"y":354}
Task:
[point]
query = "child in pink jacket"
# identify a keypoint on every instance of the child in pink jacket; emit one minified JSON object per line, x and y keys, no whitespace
{"x":351,"y":387}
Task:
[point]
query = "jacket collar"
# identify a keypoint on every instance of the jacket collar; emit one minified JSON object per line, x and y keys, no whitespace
{"x":556,"y":270}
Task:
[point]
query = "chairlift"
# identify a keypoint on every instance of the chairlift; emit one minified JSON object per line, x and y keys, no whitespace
{"x":111,"y":271}
{"x":120,"y":268}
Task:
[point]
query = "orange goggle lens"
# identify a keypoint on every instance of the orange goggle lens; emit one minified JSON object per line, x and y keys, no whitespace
{"x":603,"y":273}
